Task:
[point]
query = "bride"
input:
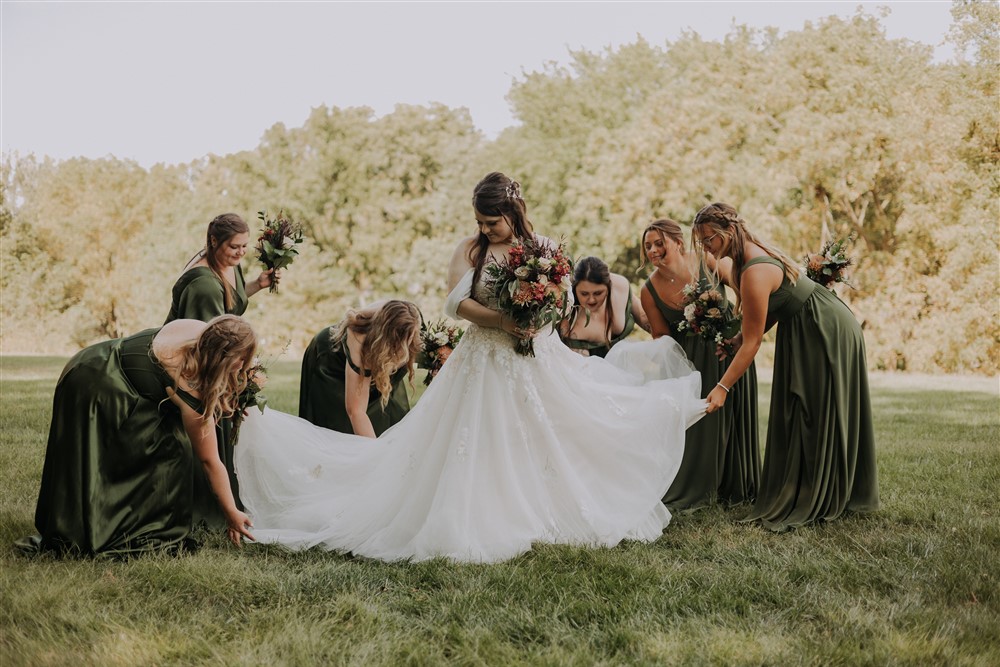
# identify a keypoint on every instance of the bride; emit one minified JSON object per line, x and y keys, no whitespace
{"x":500,"y":452}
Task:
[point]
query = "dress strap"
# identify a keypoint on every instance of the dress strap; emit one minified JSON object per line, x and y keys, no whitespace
{"x":350,"y":362}
{"x":192,"y":402}
{"x":767,"y":259}
{"x":660,"y":303}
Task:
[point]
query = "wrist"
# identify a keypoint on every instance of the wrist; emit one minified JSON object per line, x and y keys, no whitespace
{"x":724,"y":387}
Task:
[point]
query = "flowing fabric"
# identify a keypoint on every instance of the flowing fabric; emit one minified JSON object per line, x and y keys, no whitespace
{"x":819,"y":460}
{"x":199,"y":295}
{"x":322,"y":389}
{"x":722,"y":461}
{"x":118,"y":466}
{"x":500,"y":452}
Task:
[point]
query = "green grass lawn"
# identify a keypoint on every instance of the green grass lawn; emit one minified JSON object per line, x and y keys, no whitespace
{"x":913,"y":584}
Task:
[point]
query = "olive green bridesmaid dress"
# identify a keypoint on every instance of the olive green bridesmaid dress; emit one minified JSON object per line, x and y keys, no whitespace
{"x":198,"y":295}
{"x":602,"y":349}
{"x":819,"y":460}
{"x":322,"y":389}
{"x":722,"y":450}
{"x":117,"y":477}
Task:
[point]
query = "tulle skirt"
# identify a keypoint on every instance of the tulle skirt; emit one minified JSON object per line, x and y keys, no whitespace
{"x":500,"y":452}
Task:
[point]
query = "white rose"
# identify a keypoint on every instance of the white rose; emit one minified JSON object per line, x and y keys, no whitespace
{"x":543,"y":279}
{"x":522,"y":272}
{"x":689,"y":311}
{"x":441,"y":337}
{"x":544,"y":262}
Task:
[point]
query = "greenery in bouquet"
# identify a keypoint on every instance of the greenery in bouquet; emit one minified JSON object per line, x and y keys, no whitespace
{"x":530,"y":287}
{"x":706,"y":315}
{"x":437,"y":341}
{"x":252,"y":396}
{"x":829,"y":266}
{"x":276,"y":245}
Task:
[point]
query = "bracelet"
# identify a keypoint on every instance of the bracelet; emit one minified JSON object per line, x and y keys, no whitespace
{"x":719,"y":384}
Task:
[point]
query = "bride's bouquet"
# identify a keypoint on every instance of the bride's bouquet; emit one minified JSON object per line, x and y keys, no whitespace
{"x":830,"y":265}
{"x":530,"y":287}
{"x":276,"y":243}
{"x":706,"y":315}
{"x":437,"y":342}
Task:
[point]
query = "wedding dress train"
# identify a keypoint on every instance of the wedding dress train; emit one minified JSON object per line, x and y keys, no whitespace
{"x":500,"y":451}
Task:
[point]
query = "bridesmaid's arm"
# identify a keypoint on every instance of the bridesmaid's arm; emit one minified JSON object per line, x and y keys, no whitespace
{"x":657,"y":324}
{"x":205,"y":445}
{"x":756,"y":285}
{"x":639,"y":314}
{"x":357,"y":389}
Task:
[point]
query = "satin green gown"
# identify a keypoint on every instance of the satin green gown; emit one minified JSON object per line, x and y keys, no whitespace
{"x":198,"y":295}
{"x":117,"y":477}
{"x":819,"y":460}
{"x":601,"y":349}
{"x":322,"y":388}
{"x":722,"y":450}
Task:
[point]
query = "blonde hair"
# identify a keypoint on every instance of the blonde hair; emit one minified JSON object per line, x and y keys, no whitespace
{"x":393,"y":327}
{"x":206,"y":363}
{"x":724,"y":220}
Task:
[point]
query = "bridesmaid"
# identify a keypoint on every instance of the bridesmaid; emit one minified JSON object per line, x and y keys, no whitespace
{"x":353,"y":371}
{"x":129,"y":417}
{"x":212,"y":284}
{"x":722,"y":457}
{"x":819,"y":460}
{"x":613,"y":313}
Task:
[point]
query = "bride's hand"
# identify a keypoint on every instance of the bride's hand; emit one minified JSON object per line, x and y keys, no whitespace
{"x":510,"y":326}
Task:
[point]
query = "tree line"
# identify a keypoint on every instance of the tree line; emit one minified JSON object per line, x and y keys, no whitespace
{"x":829,"y":131}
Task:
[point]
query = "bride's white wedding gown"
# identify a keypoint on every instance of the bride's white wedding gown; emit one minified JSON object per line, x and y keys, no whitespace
{"x":500,"y":451}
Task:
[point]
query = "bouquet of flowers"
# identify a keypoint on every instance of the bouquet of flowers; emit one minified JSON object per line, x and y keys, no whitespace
{"x":530,"y":287}
{"x":706,"y":314}
{"x":830,"y":265}
{"x":276,"y":243}
{"x":437,"y":341}
{"x":250,"y":396}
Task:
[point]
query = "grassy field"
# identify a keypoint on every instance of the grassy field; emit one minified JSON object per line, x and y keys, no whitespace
{"x":917,"y":583}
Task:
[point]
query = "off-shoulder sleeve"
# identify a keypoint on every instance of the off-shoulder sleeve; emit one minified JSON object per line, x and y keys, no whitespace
{"x":462,"y":291}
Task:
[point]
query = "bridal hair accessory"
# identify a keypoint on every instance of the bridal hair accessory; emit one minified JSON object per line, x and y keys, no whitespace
{"x":513,"y":190}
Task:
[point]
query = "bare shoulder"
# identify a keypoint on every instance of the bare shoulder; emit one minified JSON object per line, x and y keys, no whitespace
{"x":463,"y":248}
{"x":178,"y":333}
{"x":460,"y":263}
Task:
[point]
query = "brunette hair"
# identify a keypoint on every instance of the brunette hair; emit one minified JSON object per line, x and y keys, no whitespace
{"x":393,"y":327}
{"x":206,"y":363}
{"x":221,"y":229}
{"x":496,"y":194}
{"x":667,"y":229}
{"x":726,"y":221}
{"x":593,"y":270}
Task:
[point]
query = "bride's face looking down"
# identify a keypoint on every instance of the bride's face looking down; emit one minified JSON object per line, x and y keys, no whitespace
{"x":495,"y":227}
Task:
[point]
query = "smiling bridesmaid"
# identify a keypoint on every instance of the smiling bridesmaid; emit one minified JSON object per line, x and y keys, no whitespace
{"x":722,"y":460}
{"x":210,"y":285}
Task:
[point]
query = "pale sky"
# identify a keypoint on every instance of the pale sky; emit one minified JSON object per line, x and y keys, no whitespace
{"x":173,"y":81}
